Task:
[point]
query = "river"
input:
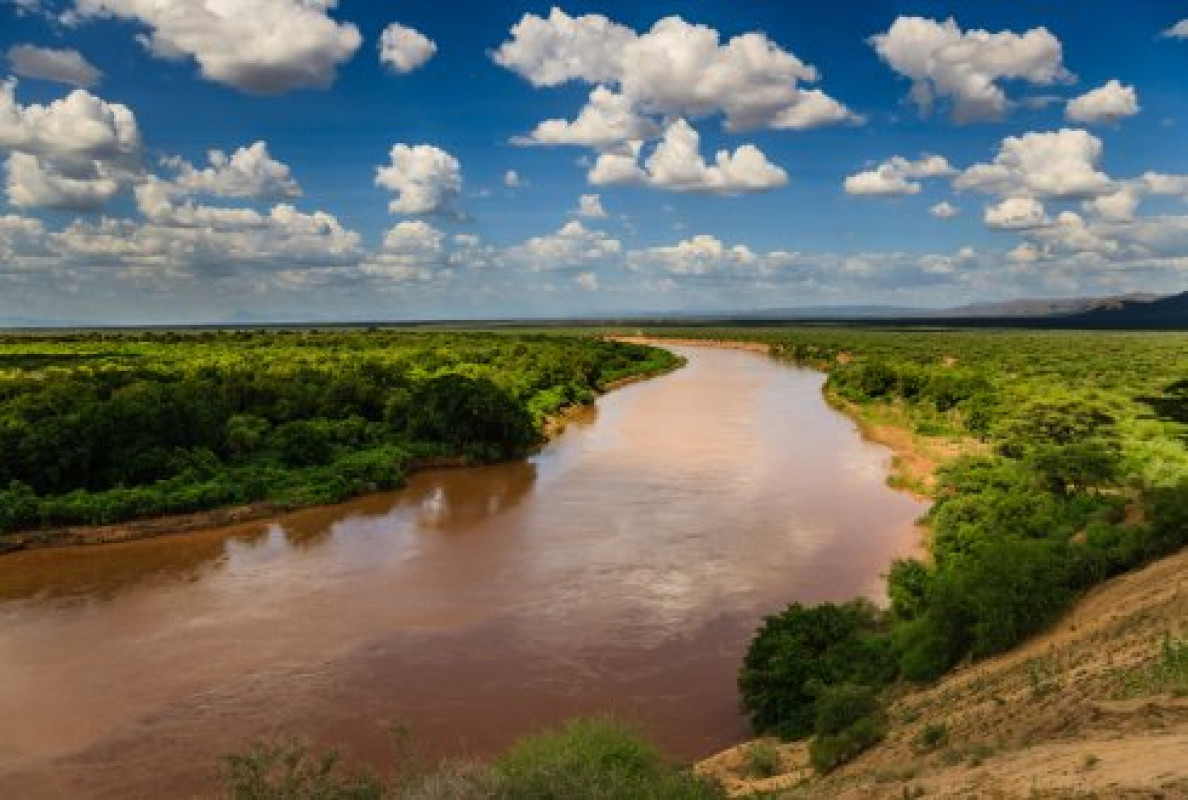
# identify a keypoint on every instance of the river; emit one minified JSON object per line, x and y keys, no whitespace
{"x":622,"y":569}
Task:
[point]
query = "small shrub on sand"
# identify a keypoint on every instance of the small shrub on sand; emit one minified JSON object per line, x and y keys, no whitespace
{"x":762,"y":759}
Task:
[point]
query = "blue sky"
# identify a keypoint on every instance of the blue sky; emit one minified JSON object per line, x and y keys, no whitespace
{"x":733,"y":155}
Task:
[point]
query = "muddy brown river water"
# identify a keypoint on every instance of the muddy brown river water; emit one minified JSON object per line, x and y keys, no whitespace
{"x":622,"y":569}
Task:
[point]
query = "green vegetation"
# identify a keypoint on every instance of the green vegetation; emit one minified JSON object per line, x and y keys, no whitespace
{"x":583,"y":760}
{"x":593,"y":759}
{"x":101,"y":428}
{"x":763,"y":759}
{"x":1167,"y":674}
{"x":934,"y":735}
{"x":1074,"y":469}
{"x":850,"y":719}
{"x":800,"y":652}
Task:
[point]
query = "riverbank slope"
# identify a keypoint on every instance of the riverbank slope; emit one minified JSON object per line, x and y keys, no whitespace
{"x":1089,"y":709}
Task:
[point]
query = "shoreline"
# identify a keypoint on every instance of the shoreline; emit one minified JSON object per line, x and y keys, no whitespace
{"x":195,"y":522}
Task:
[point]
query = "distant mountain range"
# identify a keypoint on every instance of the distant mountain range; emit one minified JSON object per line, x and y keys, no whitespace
{"x":1125,"y":312}
{"x":1168,"y":313}
{"x":1048,"y":308}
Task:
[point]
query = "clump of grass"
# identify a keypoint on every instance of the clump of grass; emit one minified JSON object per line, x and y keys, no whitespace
{"x":290,"y":769}
{"x":590,"y":760}
{"x":1039,"y":676}
{"x":931,"y":737}
{"x":1167,"y":674}
{"x":763,"y":759}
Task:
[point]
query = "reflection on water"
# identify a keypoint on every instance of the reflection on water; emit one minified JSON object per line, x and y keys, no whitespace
{"x":623,"y":568}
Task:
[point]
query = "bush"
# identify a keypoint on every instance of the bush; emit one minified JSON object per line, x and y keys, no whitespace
{"x":931,"y":737}
{"x":595,"y":759}
{"x":827,"y":753}
{"x":986,"y":602}
{"x":763,"y":759}
{"x":839,"y":707}
{"x":471,"y":415}
{"x":288,"y":770}
{"x":18,"y":507}
{"x":796,"y":652}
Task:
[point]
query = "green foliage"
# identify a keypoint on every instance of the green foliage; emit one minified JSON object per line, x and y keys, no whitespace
{"x":797,"y":652}
{"x":986,"y":602}
{"x":827,"y":752}
{"x":99,"y":428}
{"x":908,"y":583}
{"x":1166,"y":674}
{"x":288,"y":770}
{"x":763,"y":759}
{"x":934,"y":735}
{"x":842,"y":705}
{"x":594,"y":759}
{"x":849,"y":720}
{"x":586,"y":759}
{"x":1083,"y":474}
{"x":471,"y":415}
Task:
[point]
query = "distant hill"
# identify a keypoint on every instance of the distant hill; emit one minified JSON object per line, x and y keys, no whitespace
{"x":1047,"y":307}
{"x":1164,"y":313}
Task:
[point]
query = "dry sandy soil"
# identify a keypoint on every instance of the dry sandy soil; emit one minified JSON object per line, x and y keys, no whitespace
{"x":1070,"y":714}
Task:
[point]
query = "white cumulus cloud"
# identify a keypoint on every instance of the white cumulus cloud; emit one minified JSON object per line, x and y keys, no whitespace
{"x":1056,"y":164}
{"x":76,"y":152}
{"x":1177,"y":31}
{"x":702,"y":254}
{"x":405,"y":49}
{"x":590,"y":206}
{"x":944,"y":210}
{"x":897,"y":176}
{"x":36,"y":182}
{"x":50,"y":64}
{"x":249,"y":172}
{"x":607,"y":121}
{"x":676,"y":164}
{"x":425,"y":179}
{"x":271,"y":47}
{"x":574,"y":245}
{"x":676,"y":69}
{"x":412,"y":250}
{"x":1106,"y":104}
{"x":967,"y":67}
{"x":1017,"y":213}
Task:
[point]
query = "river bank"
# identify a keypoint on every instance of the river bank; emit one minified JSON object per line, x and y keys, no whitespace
{"x":153,"y":527}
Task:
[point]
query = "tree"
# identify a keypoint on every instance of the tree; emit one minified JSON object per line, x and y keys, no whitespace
{"x":803,"y":648}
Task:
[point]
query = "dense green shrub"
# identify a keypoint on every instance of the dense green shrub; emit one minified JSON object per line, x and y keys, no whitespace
{"x":840,"y":706}
{"x":471,"y":415}
{"x":798,"y":651}
{"x":593,"y":760}
{"x":827,"y":752}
